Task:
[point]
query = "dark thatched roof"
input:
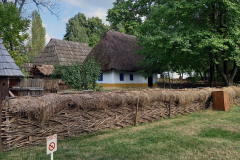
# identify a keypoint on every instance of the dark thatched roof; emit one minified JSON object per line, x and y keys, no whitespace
{"x":117,"y":51}
{"x":8,"y":67}
{"x":63,"y":52}
{"x":46,"y":70}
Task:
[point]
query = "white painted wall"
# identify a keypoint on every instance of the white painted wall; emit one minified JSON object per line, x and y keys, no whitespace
{"x":113,"y":76}
{"x":174,"y":75}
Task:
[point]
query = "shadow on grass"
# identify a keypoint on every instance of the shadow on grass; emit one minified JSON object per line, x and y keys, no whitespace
{"x":220,"y":133}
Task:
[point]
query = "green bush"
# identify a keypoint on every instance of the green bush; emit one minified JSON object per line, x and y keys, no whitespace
{"x":81,"y":76}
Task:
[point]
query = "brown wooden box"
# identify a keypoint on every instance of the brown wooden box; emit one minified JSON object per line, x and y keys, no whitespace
{"x":220,"y":101}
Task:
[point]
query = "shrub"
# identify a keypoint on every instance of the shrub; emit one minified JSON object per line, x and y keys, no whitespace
{"x":78,"y":75}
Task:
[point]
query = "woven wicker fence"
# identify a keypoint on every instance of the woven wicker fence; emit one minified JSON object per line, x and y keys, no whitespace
{"x":29,"y":120}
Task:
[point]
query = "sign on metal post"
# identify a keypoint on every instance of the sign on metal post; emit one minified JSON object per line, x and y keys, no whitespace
{"x":51,"y":145}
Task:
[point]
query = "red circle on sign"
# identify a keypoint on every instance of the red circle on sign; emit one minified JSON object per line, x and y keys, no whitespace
{"x":51,"y":146}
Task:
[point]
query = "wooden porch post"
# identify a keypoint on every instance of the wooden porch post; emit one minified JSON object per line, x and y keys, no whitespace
{"x":3,"y":94}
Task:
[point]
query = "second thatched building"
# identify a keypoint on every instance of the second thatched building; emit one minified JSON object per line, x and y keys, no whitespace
{"x":116,"y":53}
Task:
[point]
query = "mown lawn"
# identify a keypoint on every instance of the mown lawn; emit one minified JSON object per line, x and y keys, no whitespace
{"x":202,"y":135}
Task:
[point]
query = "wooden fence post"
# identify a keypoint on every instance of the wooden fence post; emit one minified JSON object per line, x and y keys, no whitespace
{"x":1,"y":141}
{"x":3,"y":94}
{"x":170,"y":107}
{"x":136,"y":112}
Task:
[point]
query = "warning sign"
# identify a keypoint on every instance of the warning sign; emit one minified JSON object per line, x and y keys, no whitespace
{"x":51,"y":144}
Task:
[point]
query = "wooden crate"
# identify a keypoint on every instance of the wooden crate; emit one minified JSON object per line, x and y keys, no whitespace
{"x":220,"y":101}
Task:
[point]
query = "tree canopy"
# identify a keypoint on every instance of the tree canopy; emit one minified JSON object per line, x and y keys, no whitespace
{"x":193,"y":34}
{"x":37,"y":41}
{"x":85,"y":30}
{"x":13,"y":30}
{"x":126,"y":15}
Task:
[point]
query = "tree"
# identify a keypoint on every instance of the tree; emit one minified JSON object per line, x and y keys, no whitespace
{"x":81,"y":29}
{"x":129,"y":14}
{"x":38,"y":36}
{"x":13,"y":27}
{"x":95,"y":30}
{"x":193,"y":34}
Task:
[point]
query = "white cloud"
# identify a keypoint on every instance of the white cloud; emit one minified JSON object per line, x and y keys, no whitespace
{"x":93,"y":8}
{"x":44,"y":25}
{"x":97,"y":13}
{"x":65,"y":19}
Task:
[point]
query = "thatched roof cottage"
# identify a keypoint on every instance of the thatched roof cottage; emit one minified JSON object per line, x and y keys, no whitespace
{"x":63,"y":52}
{"x":116,"y":52}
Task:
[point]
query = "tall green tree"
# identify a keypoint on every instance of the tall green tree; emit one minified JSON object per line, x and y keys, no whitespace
{"x":85,"y":30}
{"x":126,"y":15}
{"x":193,"y":34}
{"x":38,"y":36}
{"x":13,"y":30}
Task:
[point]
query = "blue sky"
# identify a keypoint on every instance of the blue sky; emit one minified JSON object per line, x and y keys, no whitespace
{"x":56,"y":28}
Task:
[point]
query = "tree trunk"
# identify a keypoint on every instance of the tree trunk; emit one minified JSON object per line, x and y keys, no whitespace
{"x":205,"y":76}
{"x":211,"y":78}
{"x":11,"y":46}
{"x":226,"y":75}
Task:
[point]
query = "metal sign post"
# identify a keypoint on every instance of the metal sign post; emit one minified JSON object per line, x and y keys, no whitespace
{"x":51,"y":144}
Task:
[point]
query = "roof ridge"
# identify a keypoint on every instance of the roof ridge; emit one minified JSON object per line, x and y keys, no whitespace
{"x":55,"y":50}
{"x":68,"y":46}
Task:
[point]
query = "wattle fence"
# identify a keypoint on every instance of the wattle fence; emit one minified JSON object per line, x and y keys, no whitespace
{"x":29,"y":120}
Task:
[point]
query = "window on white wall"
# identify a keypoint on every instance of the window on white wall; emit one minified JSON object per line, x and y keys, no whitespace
{"x":121,"y":77}
{"x":100,"y":77}
{"x":131,"y":77}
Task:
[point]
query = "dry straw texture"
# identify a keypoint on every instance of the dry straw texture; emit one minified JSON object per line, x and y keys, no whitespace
{"x":117,"y":51}
{"x":31,"y":119}
{"x":63,"y":52}
{"x":42,"y":108}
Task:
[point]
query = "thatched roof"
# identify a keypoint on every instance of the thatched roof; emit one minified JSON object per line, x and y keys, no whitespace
{"x":62,"y":51}
{"x":117,"y":51}
{"x":46,"y":70}
{"x":8,"y":67}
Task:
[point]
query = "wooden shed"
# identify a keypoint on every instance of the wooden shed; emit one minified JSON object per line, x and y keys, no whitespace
{"x":8,"y":70}
{"x":41,"y":71}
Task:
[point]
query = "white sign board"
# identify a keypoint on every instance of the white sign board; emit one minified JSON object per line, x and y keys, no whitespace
{"x":52,"y":144}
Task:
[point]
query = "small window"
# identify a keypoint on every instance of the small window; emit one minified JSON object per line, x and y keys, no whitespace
{"x":121,"y":77}
{"x":131,"y":77}
{"x":100,"y":77}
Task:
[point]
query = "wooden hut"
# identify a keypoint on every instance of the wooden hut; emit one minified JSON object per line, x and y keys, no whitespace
{"x":8,"y":69}
{"x":63,"y":52}
{"x":116,"y":53}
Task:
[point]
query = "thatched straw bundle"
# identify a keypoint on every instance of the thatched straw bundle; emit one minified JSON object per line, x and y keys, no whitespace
{"x":42,"y":108}
{"x":29,"y":120}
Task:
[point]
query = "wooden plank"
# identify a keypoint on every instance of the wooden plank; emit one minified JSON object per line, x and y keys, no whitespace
{"x":220,"y":101}
{"x":26,"y":89}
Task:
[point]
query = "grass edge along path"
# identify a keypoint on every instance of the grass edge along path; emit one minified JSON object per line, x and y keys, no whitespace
{"x":201,"y":135}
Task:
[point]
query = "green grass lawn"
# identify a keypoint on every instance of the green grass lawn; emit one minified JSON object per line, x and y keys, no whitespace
{"x":202,"y":135}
